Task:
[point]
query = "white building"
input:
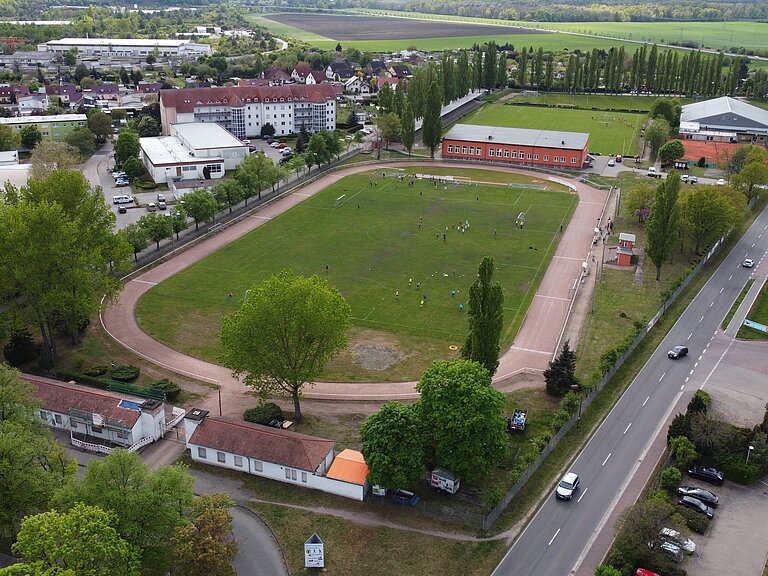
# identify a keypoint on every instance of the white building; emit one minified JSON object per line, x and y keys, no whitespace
{"x":189,"y":150}
{"x":724,"y":119}
{"x":99,"y":420}
{"x":243,"y":110}
{"x":126,"y":47}
{"x":268,"y":452}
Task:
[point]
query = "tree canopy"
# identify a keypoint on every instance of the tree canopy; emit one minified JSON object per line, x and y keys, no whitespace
{"x":30,"y":136}
{"x":393,"y":446}
{"x":286,"y":331}
{"x":432,"y":127}
{"x":462,"y":417}
{"x":200,"y":205}
{"x":662,"y":224}
{"x":561,"y":374}
{"x":656,"y":134}
{"x":486,"y":318}
{"x":126,"y":145}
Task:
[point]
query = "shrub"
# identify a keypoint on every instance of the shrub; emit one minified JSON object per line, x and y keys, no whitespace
{"x":699,"y":403}
{"x":98,"y":370}
{"x":171,"y":389}
{"x":696,"y":521}
{"x":740,"y":471}
{"x":263,"y":414}
{"x":20,"y":348}
{"x":659,"y":495}
{"x":124,"y":373}
{"x":82,"y":379}
{"x":680,"y":426}
{"x":559,"y":419}
{"x":670,"y":479}
{"x":492,"y":496}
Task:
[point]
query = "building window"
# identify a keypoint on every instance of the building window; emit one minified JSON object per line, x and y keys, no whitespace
{"x":529,"y":156}
{"x":290,"y":474}
{"x":472,"y":150}
{"x":58,"y":418}
{"x":122,"y":434}
{"x":546,"y":158}
{"x":573,"y":160}
{"x":258,"y":466}
{"x":506,"y":153}
{"x":463,"y":149}
{"x":304,"y":477}
{"x":522,"y":154}
{"x":535,"y":156}
{"x":44,"y":415}
{"x":514,"y":153}
{"x":450,"y":148}
{"x":491,"y":152}
{"x":189,"y":168}
{"x":201,"y":452}
{"x":214,"y":168}
{"x":239,"y":461}
{"x":221,"y":457}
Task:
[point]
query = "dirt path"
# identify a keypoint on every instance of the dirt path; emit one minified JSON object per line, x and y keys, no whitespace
{"x":520,"y":366}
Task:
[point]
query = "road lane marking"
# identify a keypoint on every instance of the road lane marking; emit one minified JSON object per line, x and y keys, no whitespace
{"x":701,"y":320}
{"x":690,"y":373}
{"x":696,"y":365}
{"x":686,"y":379}
{"x":627,"y":428}
{"x":553,"y":537}
{"x":662,"y":376}
{"x":646,"y":399}
{"x":712,"y":304}
{"x":606,"y":458}
{"x":689,"y":336}
{"x":731,"y":276}
{"x":721,"y":289}
{"x":753,"y":245}
{"x":582,"y":495}
{"x":682,"y":387}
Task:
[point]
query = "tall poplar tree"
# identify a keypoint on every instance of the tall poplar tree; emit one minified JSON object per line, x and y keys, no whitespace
{"x":432,"y":128}
{"x":486,"y":318}
{"x":661,"y":226}
{"x":407,"y":127}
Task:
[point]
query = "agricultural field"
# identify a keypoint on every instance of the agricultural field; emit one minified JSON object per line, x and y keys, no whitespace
{"x":384,"y":244}
{"x":610,"y":132}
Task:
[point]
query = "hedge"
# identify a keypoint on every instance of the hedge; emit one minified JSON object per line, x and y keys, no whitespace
{"x":124,"y":373}
{"x":263,"y":414}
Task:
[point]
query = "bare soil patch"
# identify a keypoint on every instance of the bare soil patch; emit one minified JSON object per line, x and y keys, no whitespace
{"x":358,"y":28}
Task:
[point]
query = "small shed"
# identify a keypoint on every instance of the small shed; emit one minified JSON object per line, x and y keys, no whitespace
{"x":349,"y":466}
{"x":625,"y":249}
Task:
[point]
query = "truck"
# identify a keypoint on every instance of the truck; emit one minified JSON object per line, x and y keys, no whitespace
{"x":517,"y":422}
{"x":444,"y":480}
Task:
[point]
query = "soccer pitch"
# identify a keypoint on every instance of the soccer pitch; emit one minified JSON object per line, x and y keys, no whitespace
{"x":609,"y":132}
{"x":386,"y":244}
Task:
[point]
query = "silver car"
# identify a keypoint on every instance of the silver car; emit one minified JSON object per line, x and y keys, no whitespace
{"x":567,"y":486}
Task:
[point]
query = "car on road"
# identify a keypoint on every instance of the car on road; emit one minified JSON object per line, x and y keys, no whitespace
{"x":694,"y":179}
{"x":748,"y":263}
{"x":119,"y":174}
{"x":688,"y":545}
{"x":709,"y":498}
{"x":721,"y":182}
{"x":151,"y":207}
{"x":652,"y":172}
{"x":245,"y":141}
{"x":696,"y":505}
{"x":122,"y":209}
{"x":567,"y":486}
{"x":161,"y":197}
{"x":611,"y":162}
{"x":677,"y":352}
{"x":684,"y":177}
{"x":366,"y":131}
{"x":122,"y":183}
{"x":709,"y":475}
{"x":619,"y":158}
{"x":122,"y":199}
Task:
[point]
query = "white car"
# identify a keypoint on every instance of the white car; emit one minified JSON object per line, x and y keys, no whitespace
{"x":611,"y":162}
{"x":688,"y":545}
{"x":721,"y":182}
{"x":748,"y":263}
{"x":567,"y":486}
{"x":366,"y":131}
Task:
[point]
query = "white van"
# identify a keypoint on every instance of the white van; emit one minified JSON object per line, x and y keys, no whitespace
{"x":122,"y":199}
{"x":652,"y":172}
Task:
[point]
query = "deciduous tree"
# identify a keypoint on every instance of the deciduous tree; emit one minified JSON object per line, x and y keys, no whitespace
{"x":408,"y":127}
{"x":9,"y":138}
{"x":389,"y":128}
{"x":30,"y":136}
{"x":485,"y":309}
{"x":148,"y":127}
{"x":393,"y":446}
{"x":662,"y":223}
{"x":100,"y":124}
{"x":133,"y":167}
{"x":82,"y":140}
{"x":157,"y":227}
{"x":47,"y":157}
{"x":126,"y":145}
{"x":753,"y":174}
{"x":200,"y":206}
{"x":463,"y":418}
{"x":707,"y":215}
{"x":656,"y":134}
{"x":228,"y":193}
{"x":671,"y":151}
{"x":284,"y":334}
{"x":137,"y":236}
{"x":639,"y":200}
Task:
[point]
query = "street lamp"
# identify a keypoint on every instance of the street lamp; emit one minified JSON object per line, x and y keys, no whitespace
{"x":749,"y":451}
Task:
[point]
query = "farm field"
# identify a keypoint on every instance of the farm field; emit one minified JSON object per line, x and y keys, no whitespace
{"x":714,"y":35}
{"x":610,"y":132}
{"x":392,"y":243}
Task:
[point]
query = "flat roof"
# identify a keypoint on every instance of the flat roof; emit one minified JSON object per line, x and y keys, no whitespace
{"x":117,"y":41}
{"x":518,"y":136}
{"x":165,"y":150}
{"x":43,"y":119}
{"x":206,"y":135}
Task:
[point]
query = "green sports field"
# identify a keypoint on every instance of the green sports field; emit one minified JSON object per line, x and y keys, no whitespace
{"x":610,"y":132}
{"x":378,"y":241}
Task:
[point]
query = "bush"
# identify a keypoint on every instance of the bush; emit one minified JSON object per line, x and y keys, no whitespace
{"x":98,"y":370}
{"x":679,"y":427}
{"x":20,"y":348}
{"x":145,"y":185}
{"x":82,"y":379}
{"x":171,"y":389}
{"x":699,"y":403}
{"x":124,"y":373}
{"x":694,"y":520}
{"x":670,"y":479}
{"x":659,"y":496}
{"x":263,"y":414}
{"x":737,"y":469}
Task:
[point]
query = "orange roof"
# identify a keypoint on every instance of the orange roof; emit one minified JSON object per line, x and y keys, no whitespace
{"x":349,"y":466}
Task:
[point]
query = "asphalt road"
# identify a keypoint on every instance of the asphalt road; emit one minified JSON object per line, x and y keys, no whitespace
{"x":558,"y":537}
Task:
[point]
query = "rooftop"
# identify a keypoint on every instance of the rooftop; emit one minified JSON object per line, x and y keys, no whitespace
{"x":163,"y":150}
{"x":349,"y":466}
{"x":44,"y":119}
{"x":724,"y":105}
{"x":518,"y":136}
{"x":117,"y":41}
{"x":187,"y":99}
{"x":205,"y":135}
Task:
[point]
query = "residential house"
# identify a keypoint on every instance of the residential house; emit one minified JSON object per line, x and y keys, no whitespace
{"x":10,"y":94}
{"x":399,"y":71}
{"x":300,"y":73}
{"x":33,"y":105}
{"x":375,"y":68}
{"x":339,"y":70}
{"x":63,"y":91}
{"x":100,"y":420}
{"x":149,"y":87}
{"x":316,"y":77}
{"x":380,"y":81}
{"x":276,"y":76}
{"x":264,"y":451}
{"x":357,"y":85}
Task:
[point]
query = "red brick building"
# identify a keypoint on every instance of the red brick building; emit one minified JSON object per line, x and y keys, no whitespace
{"x":516,"y":145}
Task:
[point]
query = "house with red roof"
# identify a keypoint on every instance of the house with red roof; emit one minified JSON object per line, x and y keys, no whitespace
{"x":316,"y":77}
{"x":101,"y":420}
{"x":300,"y":73}
{"x":243,"y":110}
{"x":273,"y":453}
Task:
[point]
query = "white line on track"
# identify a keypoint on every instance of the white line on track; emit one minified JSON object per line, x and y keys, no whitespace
{"x":689,"y":336}
{"x":145,"y":282}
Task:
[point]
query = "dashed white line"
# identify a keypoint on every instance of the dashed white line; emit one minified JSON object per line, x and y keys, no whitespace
{"x":753,"y":245}
{"x":582,"y":494}
{"x":553,"y":537}
{"x":627,"y":428}
{"x":682,"y":387}
{"x":646,"y":400}
{"x":721,"y":289}
{"x":606,"y":458}
{"x":662,"y":376}
{"x":696,"y":365}
{"x":687,"y":378}
{"x":731,"y":276}
{"x":689,"y":336}
{"x":691,"y":373}
{"x":712,"y":304}
{"x":701,"y":319}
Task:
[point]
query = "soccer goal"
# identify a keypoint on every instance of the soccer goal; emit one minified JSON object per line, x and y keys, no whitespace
{"x":340,"y":200}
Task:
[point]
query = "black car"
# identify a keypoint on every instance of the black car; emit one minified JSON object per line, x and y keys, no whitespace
{"x":678,"y":352}
{"x":697,"y":505}
{"x":122,"y":209}
{"x":709,"y":475}
{"x":709,"y":498}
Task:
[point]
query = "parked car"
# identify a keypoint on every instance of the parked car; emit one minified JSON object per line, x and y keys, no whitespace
{"x":672,"y":550}
{"x":748,"y":263}
{"x":286,"y":151}
{"x":122,"y":183}
{"x":684,"y":177}
{"x":122,"y":199}
{"x":161,"y":197}
{"x":280,"y":145}
{"x":697,"y":505}
{"x":366,"y":131}
{"x":709,"y":475}
{"x":151,"y":207}
{"x":709,"y":498}
{"x":678,"y":352}
{"x":652,"y":172}
{"x":274,"y":144}
{"x":118,"y":174}
{"x":122,"y":209}
{"x":721,"y":182}
{"x":161,"y":206}
{"x":694,"y":179}
{"x":567,"y":486}
{"x":619,"y":158}
{"x":688,"y":545}
{"x":245,"y":141}
{"x":611,"y":162}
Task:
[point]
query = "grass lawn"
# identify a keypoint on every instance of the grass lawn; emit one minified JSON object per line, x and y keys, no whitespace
{"x":376,"y":240}
{"x":591,"y":101}
{"x":610,"y":132}
{"x":759,"y":314}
